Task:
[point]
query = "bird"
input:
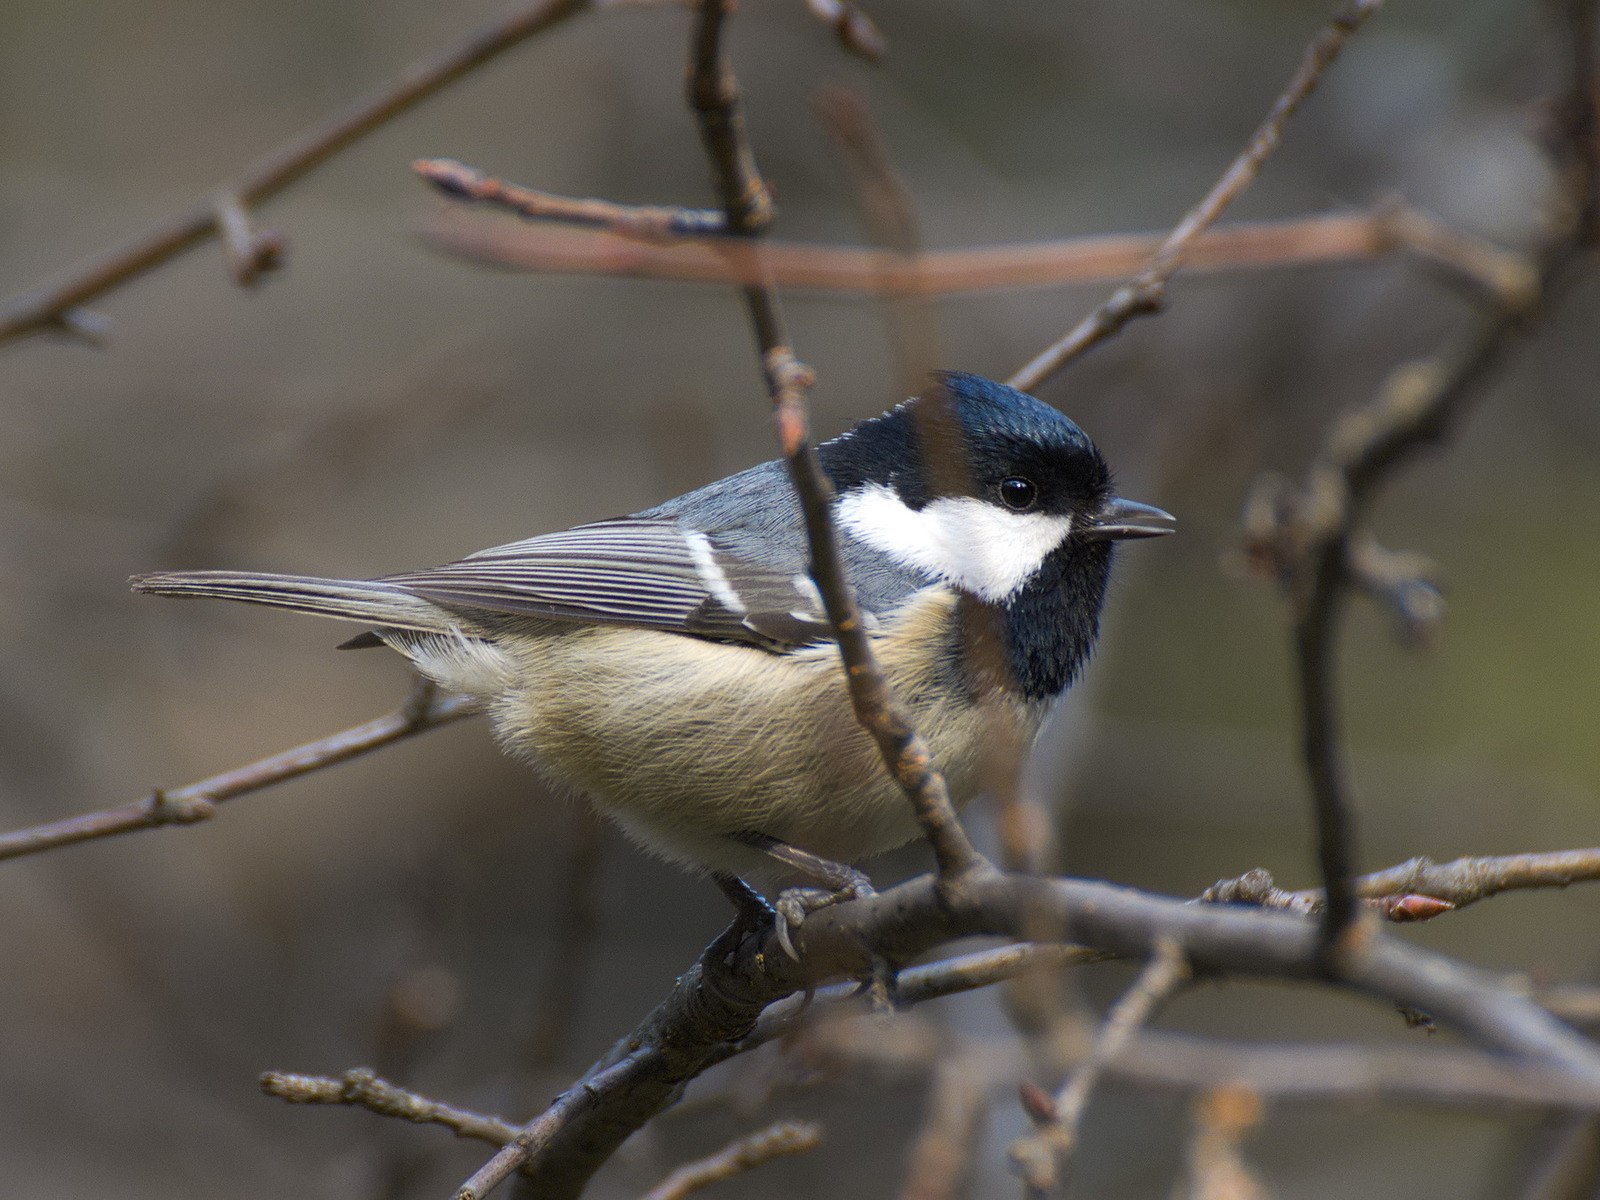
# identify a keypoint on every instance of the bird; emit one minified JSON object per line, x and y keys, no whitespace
{"x":677,"y":667}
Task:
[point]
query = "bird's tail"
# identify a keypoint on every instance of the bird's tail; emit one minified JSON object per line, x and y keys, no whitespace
{"x":371,"y":602}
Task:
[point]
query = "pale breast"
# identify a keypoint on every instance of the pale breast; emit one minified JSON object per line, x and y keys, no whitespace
{"x":687,"y":741}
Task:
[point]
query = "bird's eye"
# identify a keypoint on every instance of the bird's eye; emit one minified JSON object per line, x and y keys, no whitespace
{"x":1017,"y":493}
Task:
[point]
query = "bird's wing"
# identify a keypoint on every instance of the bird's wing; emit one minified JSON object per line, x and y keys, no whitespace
{"x":644,"y":571}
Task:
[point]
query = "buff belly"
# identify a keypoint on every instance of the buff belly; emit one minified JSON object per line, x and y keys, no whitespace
{"x":687,"y":743}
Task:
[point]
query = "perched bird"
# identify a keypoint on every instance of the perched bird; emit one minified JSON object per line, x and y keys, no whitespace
{"x":677,"y":667}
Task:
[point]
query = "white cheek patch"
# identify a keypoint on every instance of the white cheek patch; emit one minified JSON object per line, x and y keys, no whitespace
{"x":979,"y":547}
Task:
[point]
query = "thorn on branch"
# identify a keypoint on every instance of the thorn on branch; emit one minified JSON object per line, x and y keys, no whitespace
{"x":82,"y":324}
{"x":856,"y":31}
{"x":168,"y":809}
{"x":251,"y":252}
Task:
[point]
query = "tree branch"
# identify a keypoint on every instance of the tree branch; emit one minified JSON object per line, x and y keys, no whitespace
{"x":890,"y":273}
{"x":198,"y":801}
{"x":651,"y":222}
{"x":1455,"y":884}
{"x":56,"y":304}
{"x":715,"y":1011}
{"x":360,"y":1088}
{"x":714,"y":96}
{"x":1146,"y":293}
{"x":784,"y":1139}
{"x":1041,"y":1157}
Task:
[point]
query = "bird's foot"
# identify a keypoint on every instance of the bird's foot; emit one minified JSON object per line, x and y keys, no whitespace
{"x":797,"y":903}
{"x":752,"y":912}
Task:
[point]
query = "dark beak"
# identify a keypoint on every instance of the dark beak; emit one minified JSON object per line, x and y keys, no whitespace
{"x":1128,"y":519}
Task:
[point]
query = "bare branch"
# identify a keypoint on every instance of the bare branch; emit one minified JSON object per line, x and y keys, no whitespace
{"x":56,"y":304}
{"x":1146,"y":293}
{"x":891,"y":219}
{"x":715,"y":1010}
{"x":360,"y":1088}
{"x":784,"y":1139}
{"x":940,"y":1165}
{"x":251,"y":253}
{"x":852,"y":270}
{"x":1454,"y":884}
{"x":651,"y":222}
{"x":714,"y":96}
{"x":1041,"y":1157}
{"x":1499,"y":275}
{"x":1417,"y":407}
{"x":198,"y":801}
{"x":1215,"y":1170}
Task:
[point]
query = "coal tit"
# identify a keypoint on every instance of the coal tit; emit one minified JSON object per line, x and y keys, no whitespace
{"x":676,"y":665}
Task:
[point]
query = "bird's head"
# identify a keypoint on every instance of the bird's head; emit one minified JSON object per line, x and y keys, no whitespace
{"x":981,"y":485}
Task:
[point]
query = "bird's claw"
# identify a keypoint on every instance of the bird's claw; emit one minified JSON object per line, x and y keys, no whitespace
{"x":795,"y":904}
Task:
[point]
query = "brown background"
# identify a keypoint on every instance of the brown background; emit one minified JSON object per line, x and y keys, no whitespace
{"x":378,"y":406}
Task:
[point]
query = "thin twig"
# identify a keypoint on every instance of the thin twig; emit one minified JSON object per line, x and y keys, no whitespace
{"x":651,"y":222}
{"x":1416,"y":407}
{"x":891,"y":219}
{"x":1418,"y":403}
{"x":1215,"y":1170}
{"x":1146,"y":293}
{"x":198,"y":801}
{"x":837,"y":1038}
{"x":852,"y":270}
{"x":57,"y":303}
{"x":783,"y":1139}
{"x":1452,"y":885}
{"x":361,"y":1088}
{"x":714,"y":96}
{"x":537,"y":1134}
{"x":1041,"y":1157}
{"x":940,"y":1159}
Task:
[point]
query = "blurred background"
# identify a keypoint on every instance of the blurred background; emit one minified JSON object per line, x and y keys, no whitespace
{"x":377,"y":406}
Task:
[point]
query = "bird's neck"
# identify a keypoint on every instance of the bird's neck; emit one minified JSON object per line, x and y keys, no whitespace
{"x":1036,"y":643}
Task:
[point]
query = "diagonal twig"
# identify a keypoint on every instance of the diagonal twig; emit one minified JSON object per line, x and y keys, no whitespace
{"x":58,"y":304}
{"x":1416,"y":407}
{"x":714,"y":96}
{"x":651,"y":222}
{"x":361,"y":1088}
{"x":783,"y":1139}
{"x":1041,"y":1157}
{"x":198,"y":801}
{"x":1146,"y":293}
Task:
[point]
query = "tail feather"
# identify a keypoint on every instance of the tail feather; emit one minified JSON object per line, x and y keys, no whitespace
{"x":373,"y":603}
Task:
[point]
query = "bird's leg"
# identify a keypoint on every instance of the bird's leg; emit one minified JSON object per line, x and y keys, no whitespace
{"x":838,"y":882}
{"x":752,"y":913}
